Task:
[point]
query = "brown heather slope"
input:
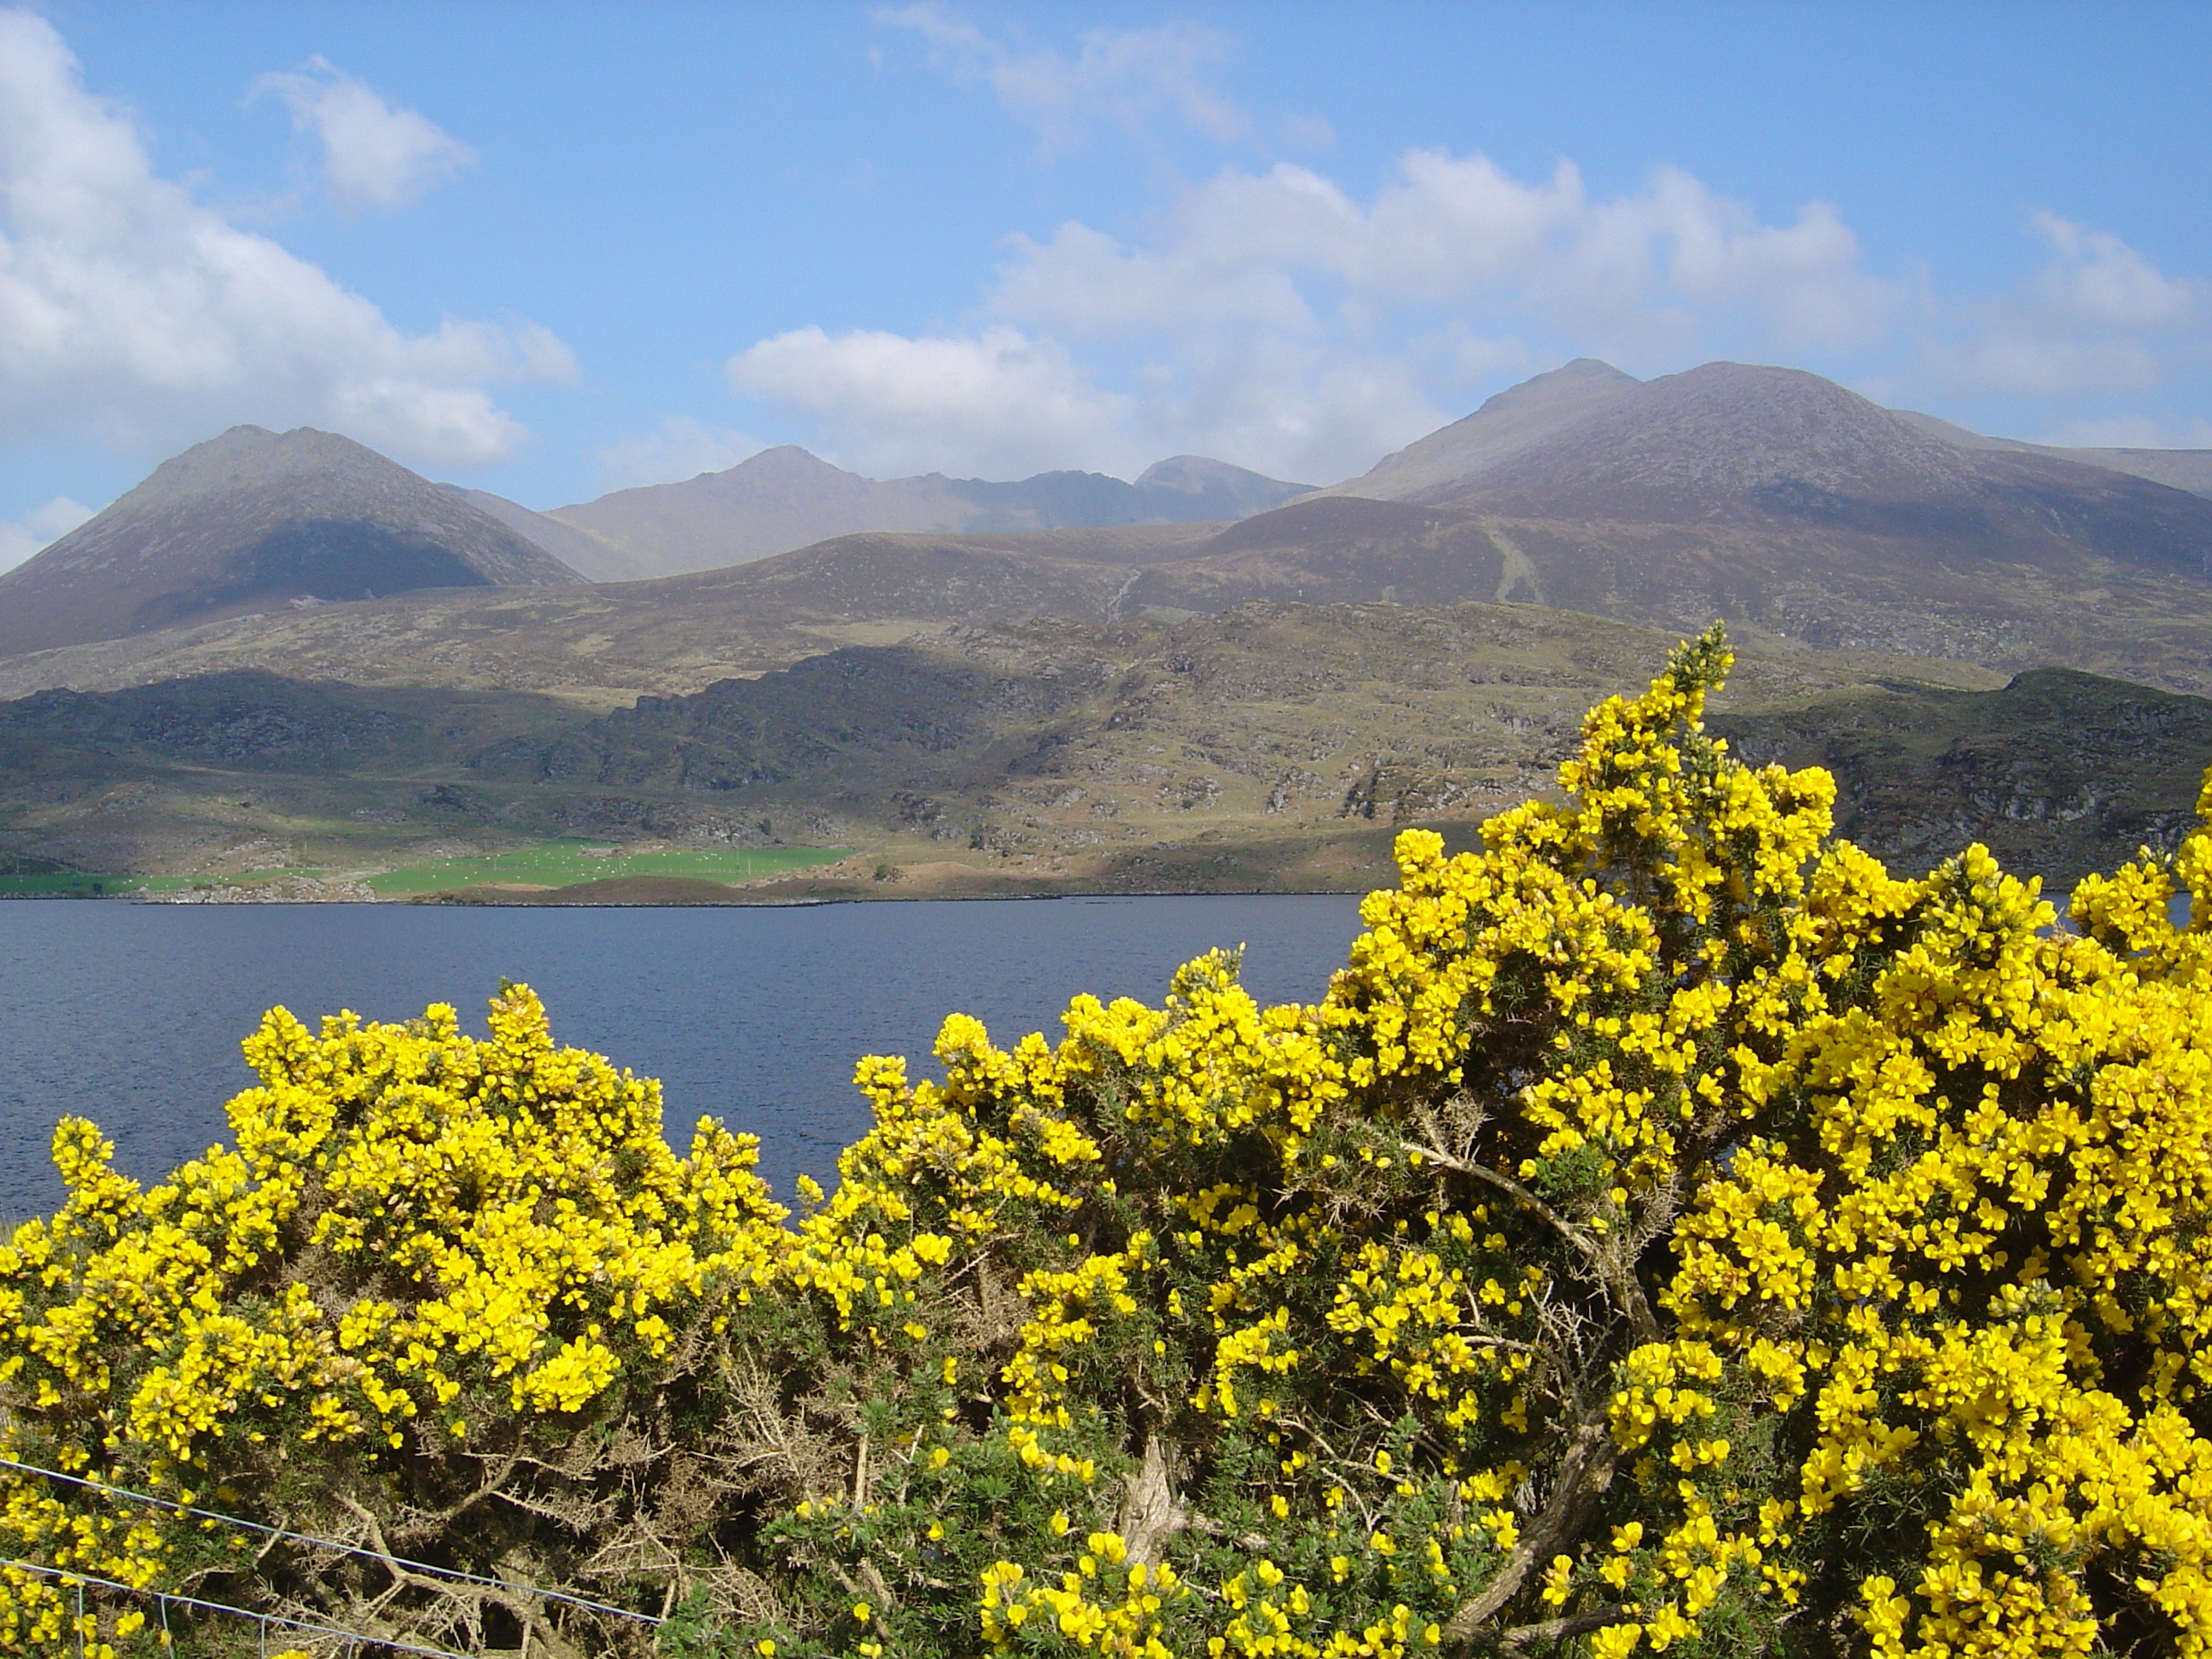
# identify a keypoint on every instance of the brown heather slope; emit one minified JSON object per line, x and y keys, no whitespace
{"x":257,"y":520}
{"x":2184,"y":469}
{"x":1273,"y":746}
{"x":607,"y":643}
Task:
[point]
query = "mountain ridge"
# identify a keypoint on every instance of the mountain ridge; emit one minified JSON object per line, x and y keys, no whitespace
{"x":1769,"y":497}
{"x":785,"y":498}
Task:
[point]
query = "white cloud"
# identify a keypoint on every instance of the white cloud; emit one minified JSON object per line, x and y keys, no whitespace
{"x":1127,"y":77}
{"x":998,"y":401}
{"x":1276,"y":320}
{"x":1654,"y":271}
{"x":21,"y":538}
{"x":374,"y":156}
{"x":2098,"y":280}
{"x":2097,"y":318}
{"x":132,"y":314}
{"x":679,"y":447}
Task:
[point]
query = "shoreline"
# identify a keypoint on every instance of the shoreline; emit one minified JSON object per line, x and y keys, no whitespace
{"x":1349,"y":861}
{"x":459,"y":902}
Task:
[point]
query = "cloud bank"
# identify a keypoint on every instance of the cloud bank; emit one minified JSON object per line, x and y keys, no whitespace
{"x":1272,"y":316}
{"x":915,"y":405}
{"x":2097,"y":318}
{"x":1275,"y":318}
{"x":133,"y":315}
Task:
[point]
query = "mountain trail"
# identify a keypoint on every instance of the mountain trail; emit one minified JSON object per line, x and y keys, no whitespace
{"x":1516,"y":573}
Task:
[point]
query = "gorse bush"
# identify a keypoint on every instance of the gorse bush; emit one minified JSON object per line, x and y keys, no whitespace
{"x":1671,"y":1233}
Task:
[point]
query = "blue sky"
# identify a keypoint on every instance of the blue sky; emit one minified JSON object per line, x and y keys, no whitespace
{"x":552,"y":249}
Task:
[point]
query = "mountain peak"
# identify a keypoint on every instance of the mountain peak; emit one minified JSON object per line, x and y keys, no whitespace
{"x":784,"y":461}
{"x":258,"y":520}
{"x":1199,"y":473}
{"x":1434,"y":467}
{"x":1573,"y":381}
{"x":786,"y":498}
{"x":1712,"y":438}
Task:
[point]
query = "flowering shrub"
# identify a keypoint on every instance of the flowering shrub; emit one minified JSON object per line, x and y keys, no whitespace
{"x":1670,"y":1232}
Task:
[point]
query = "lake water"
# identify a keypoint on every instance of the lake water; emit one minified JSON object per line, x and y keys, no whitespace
{"x":131,"y":1014}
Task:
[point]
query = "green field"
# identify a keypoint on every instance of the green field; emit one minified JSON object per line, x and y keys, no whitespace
{"x":554,"y":863}
{"x":564,"y":863}
{"x":79,"y":883}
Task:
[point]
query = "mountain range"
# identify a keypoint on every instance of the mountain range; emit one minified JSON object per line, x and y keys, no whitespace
{"x":885,"y":685}
{"x":256,"y":521}
{"x":784,"y":498}
{"x":1767,"y":496}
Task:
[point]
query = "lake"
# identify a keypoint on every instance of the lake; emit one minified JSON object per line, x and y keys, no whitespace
{"x":131,"y":1014}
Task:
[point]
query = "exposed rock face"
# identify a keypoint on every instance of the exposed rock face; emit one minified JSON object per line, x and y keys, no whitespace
{"x":2058,"y":773}
{"x":258,"y":520}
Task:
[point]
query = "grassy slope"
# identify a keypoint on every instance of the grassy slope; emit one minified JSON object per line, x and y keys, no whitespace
{"x":249,"y":777}
{"x":566,"y":863}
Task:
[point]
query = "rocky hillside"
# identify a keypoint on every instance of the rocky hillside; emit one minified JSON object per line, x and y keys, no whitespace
{"x":260,"y":521}
{"x":1273,"y":746}
{"x":2058,"y":772}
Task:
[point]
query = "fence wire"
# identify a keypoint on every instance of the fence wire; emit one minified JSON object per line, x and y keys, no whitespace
{"x":166,"y":1599}
{"x":169,"y":1598}
{"x":381,"y":1557}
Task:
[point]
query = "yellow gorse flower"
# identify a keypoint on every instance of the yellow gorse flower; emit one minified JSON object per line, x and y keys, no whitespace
{"x":1669,"y":1223}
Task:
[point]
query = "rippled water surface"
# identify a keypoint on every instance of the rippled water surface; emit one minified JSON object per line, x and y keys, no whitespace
{"x":131,"y":1014}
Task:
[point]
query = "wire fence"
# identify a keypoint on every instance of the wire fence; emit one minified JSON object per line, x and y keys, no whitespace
{"x":166,"y":1599}
{"x":357,"y":1639}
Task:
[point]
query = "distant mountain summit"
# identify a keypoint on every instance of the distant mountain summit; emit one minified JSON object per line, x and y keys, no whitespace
{"x":785,"y":498}
{"x":1726,"y":440}
{"x":1791,"y":461}
{"x":1767,"y":496}
{"x":1516,"y":419}
{"x":259,"y":520}
{"x":1775,"y":498}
